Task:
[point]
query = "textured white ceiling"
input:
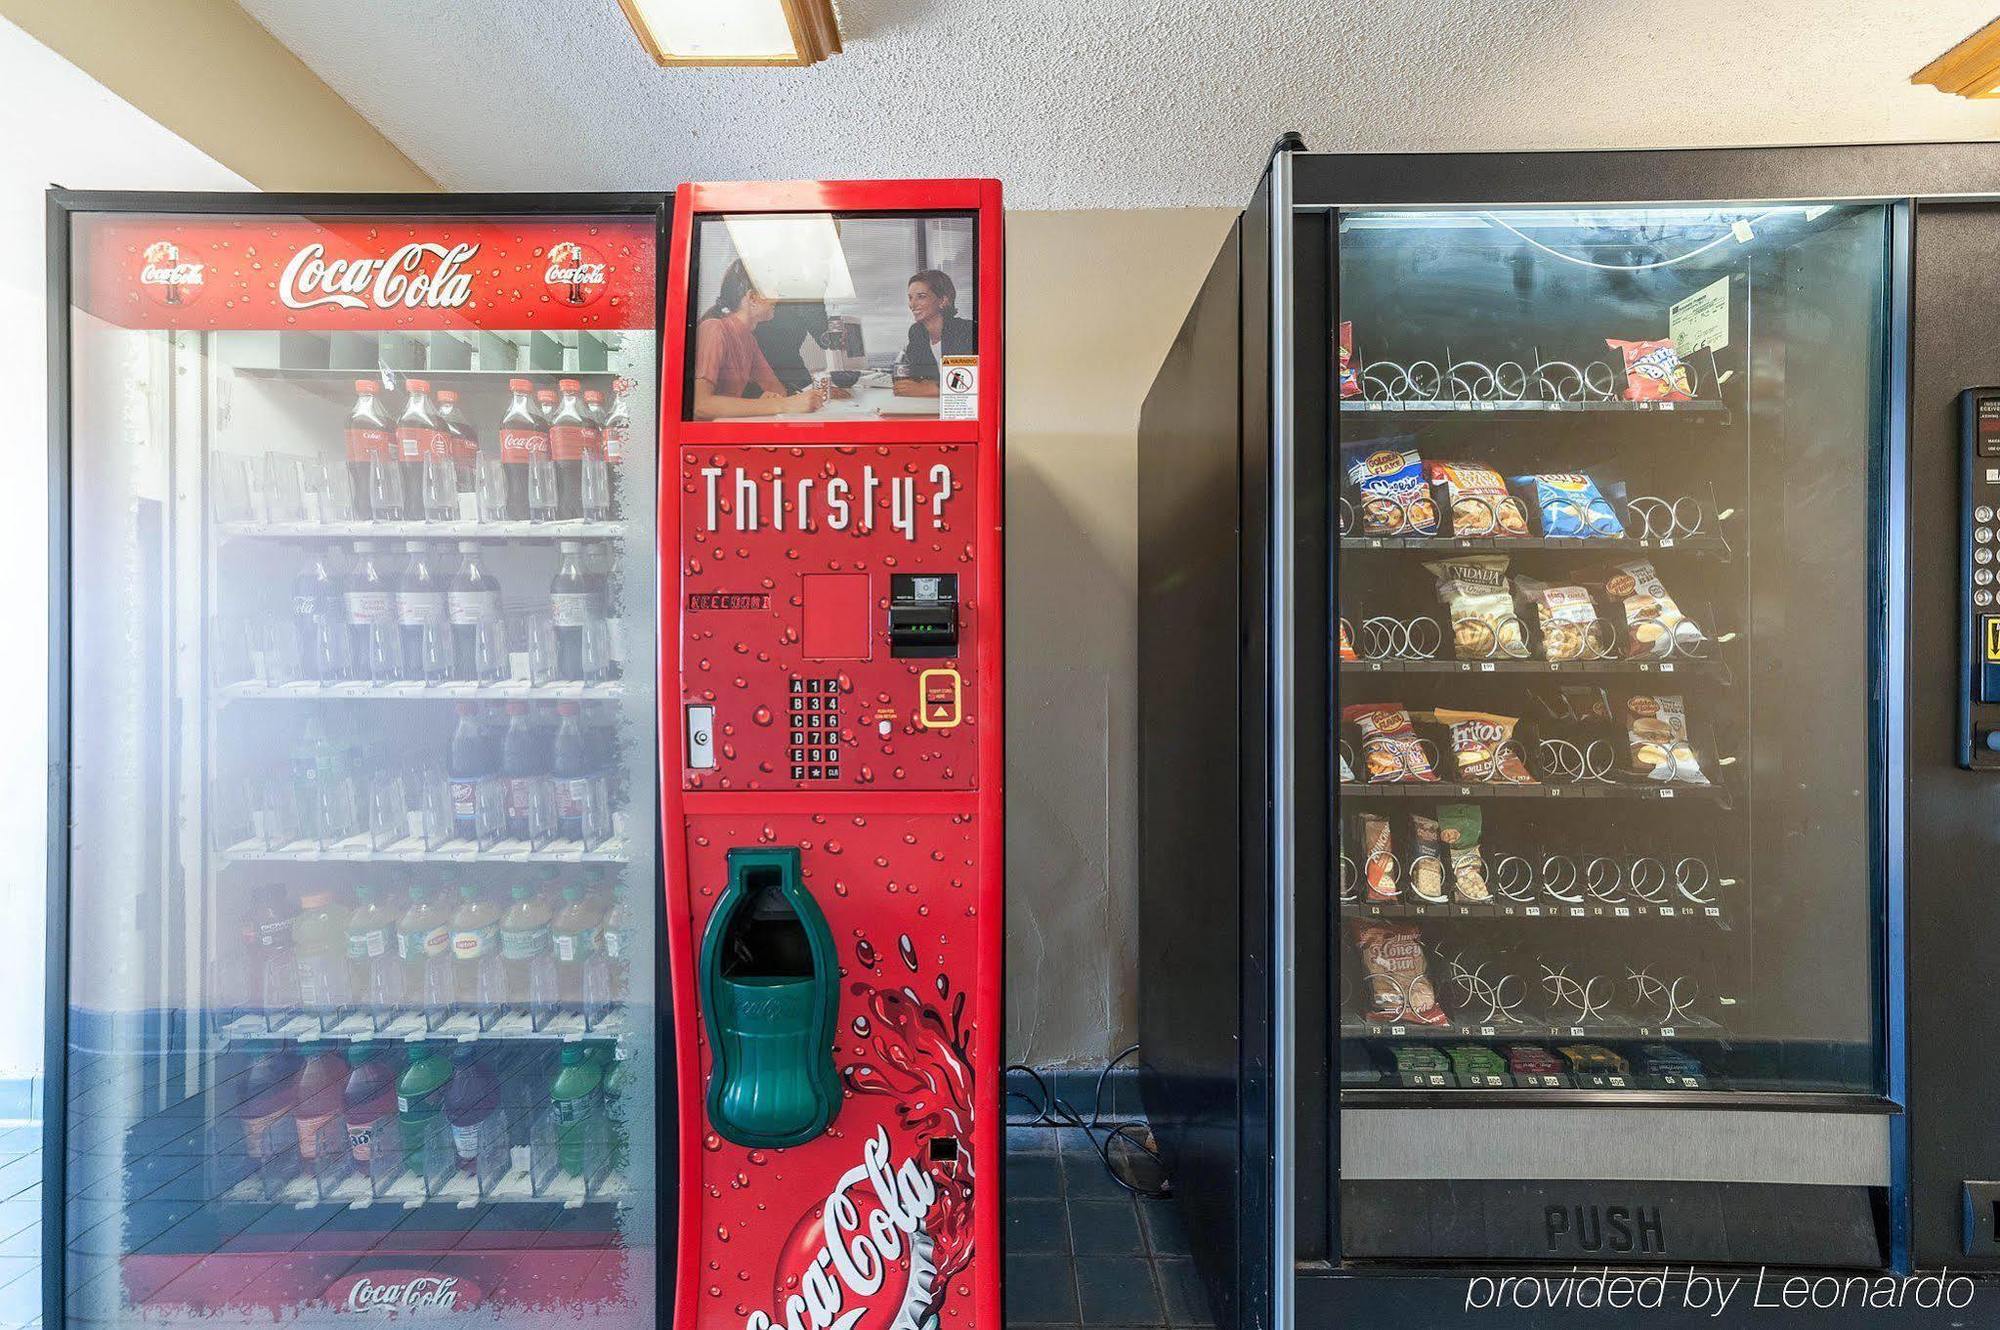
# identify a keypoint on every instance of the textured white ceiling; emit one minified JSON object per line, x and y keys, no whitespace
{"x":1122,"y":103}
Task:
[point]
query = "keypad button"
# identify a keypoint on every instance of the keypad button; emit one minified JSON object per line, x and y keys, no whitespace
{"x":1982,"y":555}
{"x":798,"y":773}
{"x":1982,"y":597}
{"x":1982,"y":534}
{"x":1982,"y":513}
{"x":798,"y":685}
{"x":1983,"y":576}
{"x":833,"y":773}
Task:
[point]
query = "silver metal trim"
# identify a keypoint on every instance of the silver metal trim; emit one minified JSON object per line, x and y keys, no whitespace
{"x":1618,"y":1143}
{"x":1284,"y":760}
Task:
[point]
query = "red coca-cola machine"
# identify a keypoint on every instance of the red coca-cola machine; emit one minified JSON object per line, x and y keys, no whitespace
{"x":830,"y":685}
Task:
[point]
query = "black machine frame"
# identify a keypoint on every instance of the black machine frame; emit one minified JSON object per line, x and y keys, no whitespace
{"x":1265,"y":1058}
{"x":63,"y":206}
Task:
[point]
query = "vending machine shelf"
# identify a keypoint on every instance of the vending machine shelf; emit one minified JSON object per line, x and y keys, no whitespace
{"x":612,"y":851}
{"x":407,"y":1192}
{"x":412,"y":530}
{"x":1610,"y":1024}
{"x":1605,"y":548}
{"x":566,"y":1025}
{"x":1629,"y":911}
{"x":1415,"y":789}
{"x":1698,"y":667}
{"x":512,"y":690}
{"x":1363,"y":406}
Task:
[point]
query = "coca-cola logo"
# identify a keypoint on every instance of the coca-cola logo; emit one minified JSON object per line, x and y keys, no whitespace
{"x":389,"y":1292}
{"x":420,"y":275}
{"x":575,"y":272}
{"x":870,"y":1227}
{"x":170,"y":273}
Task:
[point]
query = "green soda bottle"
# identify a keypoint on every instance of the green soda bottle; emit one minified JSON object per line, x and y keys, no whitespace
{"x":614,"y":1118}
{"x":420,"y":1094}
{"x":579,"y":1100}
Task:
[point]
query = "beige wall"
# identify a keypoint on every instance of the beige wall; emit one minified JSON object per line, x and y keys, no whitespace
{"x":205,"y":70}
{"x":1093,"y":301}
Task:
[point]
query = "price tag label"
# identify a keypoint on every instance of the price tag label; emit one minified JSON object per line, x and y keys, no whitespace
{"x":1622,"y":912}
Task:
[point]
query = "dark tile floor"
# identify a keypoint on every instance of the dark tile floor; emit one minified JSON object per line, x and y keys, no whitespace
{"x":1082,"y":1251}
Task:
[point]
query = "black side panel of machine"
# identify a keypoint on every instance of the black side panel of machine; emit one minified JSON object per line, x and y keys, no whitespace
{"x":1192,"y":751}
{"x":1954,"y":834}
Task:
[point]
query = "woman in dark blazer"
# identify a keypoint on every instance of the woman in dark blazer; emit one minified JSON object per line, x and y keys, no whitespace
{"x":937,"y":331}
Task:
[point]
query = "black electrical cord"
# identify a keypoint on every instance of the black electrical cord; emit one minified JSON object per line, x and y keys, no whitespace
{"x":1051,"y":1110}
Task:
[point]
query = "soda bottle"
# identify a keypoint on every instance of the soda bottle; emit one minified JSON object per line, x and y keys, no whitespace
{"x":368,"y":1099}
{"x":473,"y":600}
{"x":375,"y":970}
{"x":469,"y":1103}
{"x":272,"y":1087}
{"x":419,"y":1096}
{"x":420,"y":439}
{"x":319,"y":611}
{"x":524,"y":946}
{"x":423,"y":945}
{"x":615,"y":936}
{"x":373,"y":650}
{"x":274,"y":973}
{"x":576,"y":604}
{"x":579,"y":1108}
{"x":594,"y":479}
{"x":574,"y":932}
{"x":422,"y":619}
{"x":524,"y":438}
{"x":464,"y":437}
{"x":469,"y":765}
{"x":371,"y":449}
{"x":545,"y":508}
{"x":475,"y":949}
{"x":319,"y":1095}
{"x":614,"y":1113}
{"x":524,"y":763}
{"x":575,"y":774}
{"x":617,"y":437}
{"x":571,"y":436}
{"x":319,"y":937}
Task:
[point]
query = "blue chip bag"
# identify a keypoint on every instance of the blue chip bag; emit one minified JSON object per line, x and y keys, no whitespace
{"x":1395,"y":498}
{"x":1571,"y":505}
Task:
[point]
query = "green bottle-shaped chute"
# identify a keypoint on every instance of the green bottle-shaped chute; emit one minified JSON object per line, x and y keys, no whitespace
{"x":769,"y":987}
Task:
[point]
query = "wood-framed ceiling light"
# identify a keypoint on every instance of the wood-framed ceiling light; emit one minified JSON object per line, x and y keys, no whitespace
{"x":735,"y":32}
{"x":1970,"y":69}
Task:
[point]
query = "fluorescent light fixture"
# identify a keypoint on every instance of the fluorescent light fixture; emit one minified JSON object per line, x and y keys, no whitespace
{"x":735,"y":32}
{"x":1970,"y":69}
{"x":793,"y":256}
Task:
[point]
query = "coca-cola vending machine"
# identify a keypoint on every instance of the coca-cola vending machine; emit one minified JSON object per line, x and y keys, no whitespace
{"x":353,"y":997}
{"x":831,"y":737}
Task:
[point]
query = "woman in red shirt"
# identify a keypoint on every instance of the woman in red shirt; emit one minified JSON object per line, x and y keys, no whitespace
{"x":728,"y":363}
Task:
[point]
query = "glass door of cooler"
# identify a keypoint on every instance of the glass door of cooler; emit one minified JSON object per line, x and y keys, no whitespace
{"x":361,"y":876}
{"x":1608,"y":704}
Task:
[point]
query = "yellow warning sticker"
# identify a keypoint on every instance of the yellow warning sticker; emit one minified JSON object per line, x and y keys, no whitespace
{"x":1992,"y":622}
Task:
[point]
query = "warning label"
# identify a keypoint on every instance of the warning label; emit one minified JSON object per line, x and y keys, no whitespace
{"x":958,"y":388}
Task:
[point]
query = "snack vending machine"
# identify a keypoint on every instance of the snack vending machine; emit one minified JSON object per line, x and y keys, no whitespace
{"x":354,"y":904}
{"x":832,"y":741}
{"x":1576,"y":855}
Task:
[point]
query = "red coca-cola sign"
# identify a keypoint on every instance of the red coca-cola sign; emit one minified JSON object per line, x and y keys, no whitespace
{"x":409,"y":1292}
{"x":289,"y":273}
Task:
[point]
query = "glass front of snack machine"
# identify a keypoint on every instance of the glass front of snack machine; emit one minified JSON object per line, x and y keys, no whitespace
{"x":360,"y":889}
{"x":1608,"y":486}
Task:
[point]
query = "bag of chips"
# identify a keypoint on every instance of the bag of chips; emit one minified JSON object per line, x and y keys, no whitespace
{"x":1653,"y":371}
{"x":1572,"y":506}
{"x":1654,"y":624}
{"x":1378,"y":859}
{"x":1458,"y":828}
{"x":1482,"y":743}
{"x":1566,"y":621}
{"x":1350,"y":380}
{"x":1483,"y":623}
{"x":1394,"y":969}
{"x":1426,"y":860}
{"x":1390,"y":749}
{"x":1657,"y":735}
{"x":1347,"y":643}
{"x":1478,"y":500}
{"x":1395,"y":500}
{"x":1346,"y":772}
